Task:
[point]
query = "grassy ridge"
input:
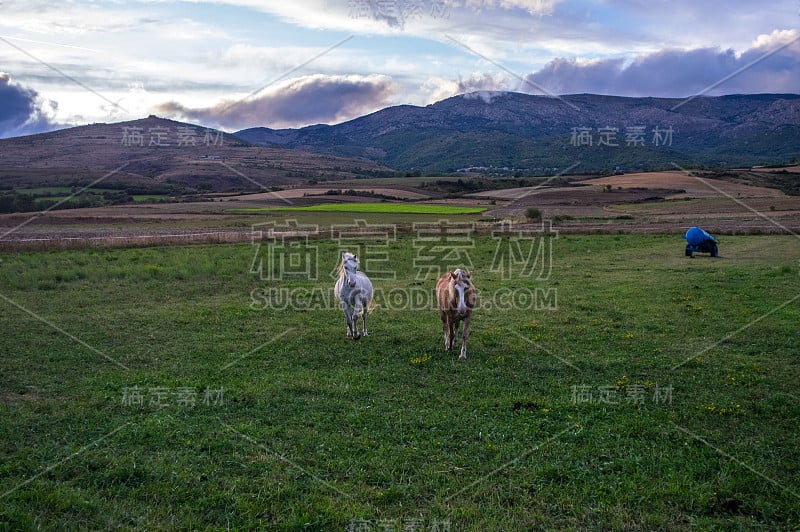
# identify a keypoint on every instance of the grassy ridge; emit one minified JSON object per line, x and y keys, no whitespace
{"x":310,"y":430}
{"x":59,"y":191}
{"x":389,"y":208}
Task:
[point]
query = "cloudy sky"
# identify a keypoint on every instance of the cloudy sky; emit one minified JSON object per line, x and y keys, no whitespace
{"x":235,"y":64}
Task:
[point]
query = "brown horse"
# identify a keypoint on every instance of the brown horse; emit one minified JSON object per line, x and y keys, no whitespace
{"x":456,"y":296}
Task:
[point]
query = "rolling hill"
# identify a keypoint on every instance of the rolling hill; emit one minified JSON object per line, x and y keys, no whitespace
{"x":157,"y":155}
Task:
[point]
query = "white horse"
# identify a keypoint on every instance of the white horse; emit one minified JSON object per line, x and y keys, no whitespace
{"x":354,"y":290}
{"x":455,"y":294}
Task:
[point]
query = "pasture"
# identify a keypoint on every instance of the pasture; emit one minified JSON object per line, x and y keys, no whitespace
{"x":620,"y":386}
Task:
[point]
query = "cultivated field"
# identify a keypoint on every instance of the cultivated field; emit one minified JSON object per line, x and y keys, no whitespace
{"x":658,"y":202}
{"x":611,"y":383}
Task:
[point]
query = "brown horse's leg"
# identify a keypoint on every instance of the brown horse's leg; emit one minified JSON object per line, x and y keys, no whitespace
{"x":464,"y":336}
{"x":453,"y":330}
{"x":445,"y":329}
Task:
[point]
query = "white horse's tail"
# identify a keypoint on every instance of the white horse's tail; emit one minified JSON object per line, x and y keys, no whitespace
{"x":371,"y":306}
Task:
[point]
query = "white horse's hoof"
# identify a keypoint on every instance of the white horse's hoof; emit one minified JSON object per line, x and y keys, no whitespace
{"x":462,"y":357}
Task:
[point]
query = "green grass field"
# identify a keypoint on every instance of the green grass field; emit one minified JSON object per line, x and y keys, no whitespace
{"x":65,"y":193}
{"x":49,"y":199}
{"x":627,"y":387}
{"x":59,"y":191}
{"x":387,"y":208}
{"x":49,"y":196}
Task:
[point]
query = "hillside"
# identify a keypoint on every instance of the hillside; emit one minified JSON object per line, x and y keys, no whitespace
{"x":540,"y":135}
{"x":159,"y":155}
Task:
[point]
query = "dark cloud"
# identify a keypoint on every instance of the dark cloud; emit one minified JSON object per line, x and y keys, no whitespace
{"x":22,"y":111}
{"x":772,"y":64}
{"x":299,"y":102}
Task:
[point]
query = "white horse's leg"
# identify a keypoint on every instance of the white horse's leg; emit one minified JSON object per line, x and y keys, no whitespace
{"x":356,"y":332}
{"x":364,"y":308}
{"x":464,"y":336}
{"x":348,"y":318}
{"x":354,"y":319}
{"x":362,"y":297}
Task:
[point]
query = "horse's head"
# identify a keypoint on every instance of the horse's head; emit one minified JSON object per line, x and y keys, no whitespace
{"x":462,"y":284}
{"x":349,"y":268}
{"x":461,"y":276}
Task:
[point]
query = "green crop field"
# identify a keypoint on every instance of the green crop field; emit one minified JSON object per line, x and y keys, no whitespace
{"x":620,"y":386}
{"x":388,"y":208}
{"x":148,"y":197}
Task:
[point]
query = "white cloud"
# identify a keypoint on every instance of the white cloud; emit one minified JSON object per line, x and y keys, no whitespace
{"x":483,"y":84}
{"x":777,"y":39}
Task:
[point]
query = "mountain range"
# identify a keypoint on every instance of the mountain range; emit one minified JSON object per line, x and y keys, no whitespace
{"x":489,"y":133}
{"x":539,"y":134}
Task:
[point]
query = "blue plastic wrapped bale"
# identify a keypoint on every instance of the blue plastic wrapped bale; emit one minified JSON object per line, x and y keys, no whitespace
{"x":696,"y":236}
{"x":699,"y":241}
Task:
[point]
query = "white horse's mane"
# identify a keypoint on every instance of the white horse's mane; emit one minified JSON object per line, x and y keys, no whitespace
{"x":346,"y":257}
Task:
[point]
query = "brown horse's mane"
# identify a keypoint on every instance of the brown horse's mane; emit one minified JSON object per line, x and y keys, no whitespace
{"x":469,"y":292}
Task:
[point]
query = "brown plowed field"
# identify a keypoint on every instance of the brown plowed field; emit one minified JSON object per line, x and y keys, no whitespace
{"x":694,"y":187}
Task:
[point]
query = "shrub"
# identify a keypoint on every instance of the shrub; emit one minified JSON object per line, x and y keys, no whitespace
{"x":533,"y":213}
